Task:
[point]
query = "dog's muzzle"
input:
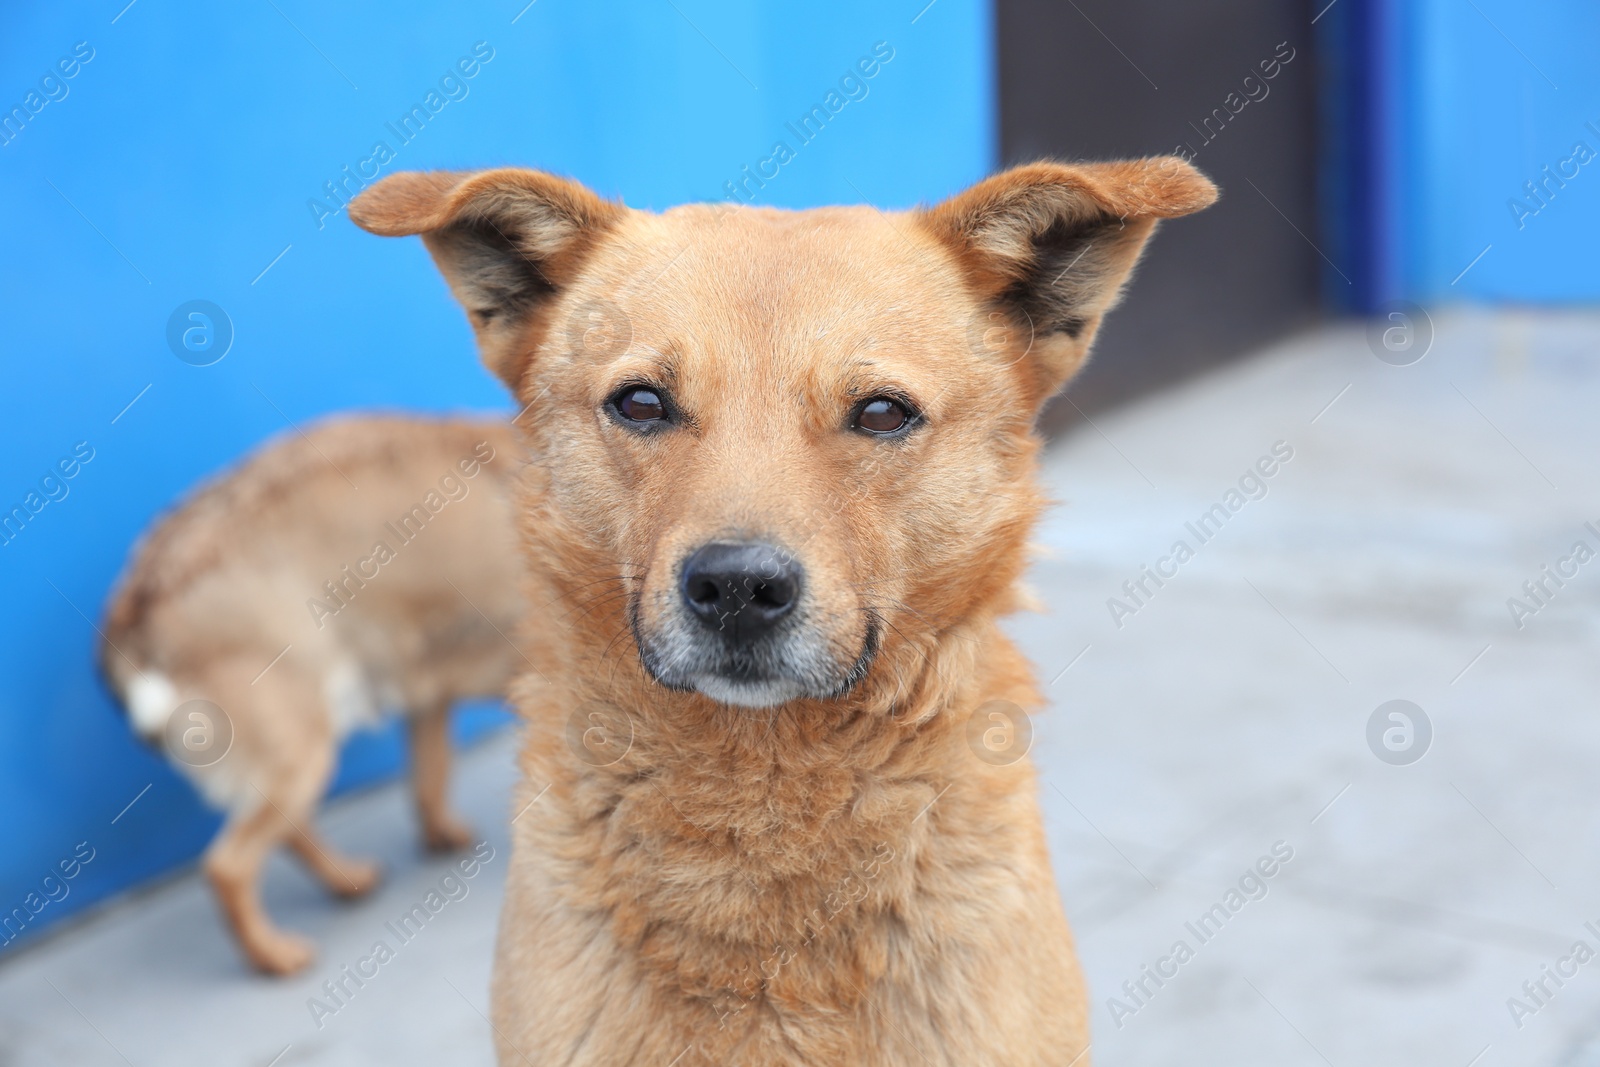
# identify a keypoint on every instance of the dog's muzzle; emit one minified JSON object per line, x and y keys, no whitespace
{"x":739,"y":631}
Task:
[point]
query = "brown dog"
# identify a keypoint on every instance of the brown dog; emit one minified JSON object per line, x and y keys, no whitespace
{"x":368,"y":564}
{"x":783,"y":474}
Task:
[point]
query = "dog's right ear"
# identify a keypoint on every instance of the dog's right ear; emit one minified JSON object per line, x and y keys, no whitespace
{"x":1049,"y":246}
{"x":508,"y":241}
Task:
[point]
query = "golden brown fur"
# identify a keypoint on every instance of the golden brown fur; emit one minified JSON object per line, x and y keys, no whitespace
{"x":830,"y":876}
{"x":229,"y":600}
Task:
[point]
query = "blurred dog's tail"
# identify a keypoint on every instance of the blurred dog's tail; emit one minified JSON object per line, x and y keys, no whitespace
{"x":146,"y":695}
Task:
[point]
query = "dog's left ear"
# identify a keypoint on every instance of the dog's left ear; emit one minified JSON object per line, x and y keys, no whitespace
{"x":1048,"y":246}
{"x":508,"y":241}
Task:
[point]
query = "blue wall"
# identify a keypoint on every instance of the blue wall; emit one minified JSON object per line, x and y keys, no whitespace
{"x":179,"y":164}
{"x":1441,"y":111}
{"x":1491,"y":98}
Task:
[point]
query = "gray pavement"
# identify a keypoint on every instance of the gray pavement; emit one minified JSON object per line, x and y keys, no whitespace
{"x":1227,"y":715}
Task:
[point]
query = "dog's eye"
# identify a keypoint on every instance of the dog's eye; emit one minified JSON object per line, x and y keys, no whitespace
{"x":640,"y":404}
{"x":882,"y":415}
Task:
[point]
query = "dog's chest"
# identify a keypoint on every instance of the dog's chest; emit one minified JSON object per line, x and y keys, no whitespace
{"x":875,"y":953}
{"x":866,"y":990}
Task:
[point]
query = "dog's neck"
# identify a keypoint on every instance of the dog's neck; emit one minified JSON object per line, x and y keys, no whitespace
{"x":738,"y":853}
{"x":801,"y":829}
{"x":759,"y":780}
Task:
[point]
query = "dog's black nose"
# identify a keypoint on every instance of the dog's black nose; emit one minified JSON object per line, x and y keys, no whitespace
{"x":741,"y":588}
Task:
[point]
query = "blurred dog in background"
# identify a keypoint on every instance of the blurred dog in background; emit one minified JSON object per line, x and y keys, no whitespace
{"x":369,"y":564}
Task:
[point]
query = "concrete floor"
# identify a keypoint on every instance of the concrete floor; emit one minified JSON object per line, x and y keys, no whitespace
{"x":1227,"y":715}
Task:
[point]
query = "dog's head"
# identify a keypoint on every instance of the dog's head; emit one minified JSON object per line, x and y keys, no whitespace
{"x":782,"y":446}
